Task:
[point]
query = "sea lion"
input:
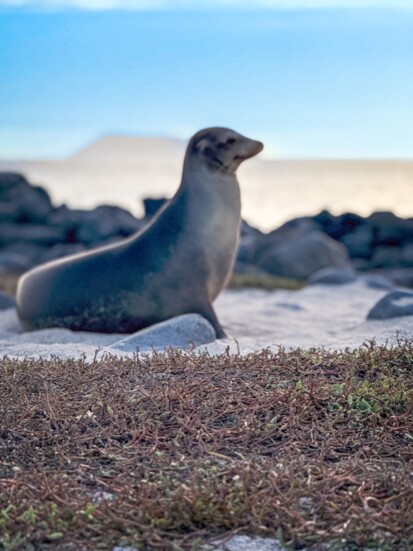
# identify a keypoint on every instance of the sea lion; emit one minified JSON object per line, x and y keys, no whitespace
{"x":177,"y":264}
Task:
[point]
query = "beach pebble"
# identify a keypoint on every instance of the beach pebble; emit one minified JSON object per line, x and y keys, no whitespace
{"x":178,"y":332}
{"x":393,"y":305}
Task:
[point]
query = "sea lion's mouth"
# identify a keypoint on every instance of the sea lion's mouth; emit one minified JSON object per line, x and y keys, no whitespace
{"x":257,"y":148}
{"x":254,"y":148}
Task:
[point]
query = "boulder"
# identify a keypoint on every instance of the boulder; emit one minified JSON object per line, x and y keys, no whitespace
{"x":298,"y":256}
{"x":337,"y":226}
{"x":361,"y":264}
{"x":92,"y":227}
{"x":401,"y":277}
{"x":12,"y":263}
{"x":151,"y":205}
{"x":393,"y":305}
{"x":6,"y":301}
{"x":179,"y":332}
{"x":333,"y":276}
{"x":248,"y":230}
{"x":245,"y":268}
{"x":359,"y":242}
{"x":302,"y":224}
{"x":389,"y":229}
{"x":22,"y":202}
{"x":18,"y":257}
{"x":252,"y":246}
{"x":377,"y":281}
{"x":31,"y":233}
{"x":386,"y":256}
{"x":247,"y":248}
{"x":407,"y":256}
{"x":29,"y":250}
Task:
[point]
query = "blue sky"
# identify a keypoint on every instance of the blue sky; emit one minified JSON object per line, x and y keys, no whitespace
{"x":311,"y":82}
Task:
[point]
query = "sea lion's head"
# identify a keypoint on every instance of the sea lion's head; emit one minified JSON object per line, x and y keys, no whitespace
{"x":222,"y":149}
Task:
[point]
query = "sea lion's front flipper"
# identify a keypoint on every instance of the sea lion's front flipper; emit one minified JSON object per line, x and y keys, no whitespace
{"x":208,"y":313}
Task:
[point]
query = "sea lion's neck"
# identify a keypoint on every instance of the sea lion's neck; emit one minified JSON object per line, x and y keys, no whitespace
{"x":214,"y":216}
{"x":198,"y":176}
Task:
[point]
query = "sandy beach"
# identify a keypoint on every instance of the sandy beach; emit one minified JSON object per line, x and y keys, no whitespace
{"x":327,"y":316}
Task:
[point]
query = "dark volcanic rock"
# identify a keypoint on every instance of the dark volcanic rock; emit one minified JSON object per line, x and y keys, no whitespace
{"x":389,"y":229}
{"x":303,"y":224}
{"x":247,"y":248}
{"x":402,"y":277}
{"x":13,"y":263}
{"x":359,"y":242}
{"x":386,"y":257}
{"x":249,"y":239}
{"x":95,"y":226}
{"x":152,"y":205}
{"x":247,"y":230}
{"x":6,"y":301}
{"x":338,"y":226}
{"x":333,"y":276}
{"x":377,"y":281}
{"x":301,"y":255}
{"x":393,"y":305}
{"x":407,"y":256}
{"x":245,"y":268}
{"x":31,"y":251}
{"x":22,"y":202}
{"x":30,"y":233}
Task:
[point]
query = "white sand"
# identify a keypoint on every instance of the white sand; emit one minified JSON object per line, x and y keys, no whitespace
{"x":330,"y":316}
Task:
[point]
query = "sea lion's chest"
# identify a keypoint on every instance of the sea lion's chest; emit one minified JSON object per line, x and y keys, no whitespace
{"x":219,"y":237}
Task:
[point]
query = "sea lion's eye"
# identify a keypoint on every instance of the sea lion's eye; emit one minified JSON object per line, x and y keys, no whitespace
{"x":230,"y":141}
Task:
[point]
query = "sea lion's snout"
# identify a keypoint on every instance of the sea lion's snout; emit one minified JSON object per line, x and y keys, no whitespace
{"x":254,"y":147}
{"x":259,"y":147}
{"x":247,"y":149}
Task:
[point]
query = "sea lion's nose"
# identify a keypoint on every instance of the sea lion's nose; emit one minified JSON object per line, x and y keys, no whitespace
{"x":260,"y":146}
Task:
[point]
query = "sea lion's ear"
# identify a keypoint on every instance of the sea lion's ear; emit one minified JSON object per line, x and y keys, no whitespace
{"x":202,"y":144}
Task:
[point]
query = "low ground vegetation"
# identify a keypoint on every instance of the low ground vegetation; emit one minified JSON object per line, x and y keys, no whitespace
{"x":169,"y":451}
